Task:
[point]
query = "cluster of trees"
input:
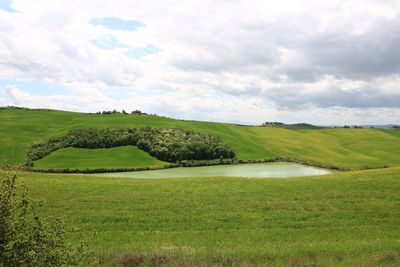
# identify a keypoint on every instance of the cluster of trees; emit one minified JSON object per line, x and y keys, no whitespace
{"x":23,"y":108}
{"x":295,"y":126}
{"x":273,"y":124}
{"x":108,"y":112}
{"x":172,"y":145}
{"x":13,"y":107}
{"x":354,"y":126}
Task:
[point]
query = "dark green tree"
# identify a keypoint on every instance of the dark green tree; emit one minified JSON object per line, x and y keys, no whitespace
{"x":166,"y":144}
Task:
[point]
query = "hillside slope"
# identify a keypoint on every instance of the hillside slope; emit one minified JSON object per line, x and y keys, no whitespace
{"x":344,"y":148}
{"x":102,"y":158}
{"x":20,"y":128}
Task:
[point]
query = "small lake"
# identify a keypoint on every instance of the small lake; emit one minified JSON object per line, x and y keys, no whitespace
{"x":258,"y":170}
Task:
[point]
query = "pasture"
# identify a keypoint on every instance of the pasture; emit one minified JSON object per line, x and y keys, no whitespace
{"x":343,"y":148}
{"x":340,"y":219}
{"x":80,"y":158}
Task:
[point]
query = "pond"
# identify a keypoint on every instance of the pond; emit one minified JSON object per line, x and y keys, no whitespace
{"x":258,"y":170}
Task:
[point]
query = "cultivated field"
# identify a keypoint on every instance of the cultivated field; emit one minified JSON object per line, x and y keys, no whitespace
{"x":343,"y":219}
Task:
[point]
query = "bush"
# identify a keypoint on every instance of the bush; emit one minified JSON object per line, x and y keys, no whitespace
{"x":26,"y":239}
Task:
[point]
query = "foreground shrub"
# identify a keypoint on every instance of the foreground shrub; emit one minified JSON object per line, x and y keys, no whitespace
{"x":26,"y":239}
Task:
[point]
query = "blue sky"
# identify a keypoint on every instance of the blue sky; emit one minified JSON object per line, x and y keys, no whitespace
{"x":112,"y":42}
{"x":141,"y":52}
{"x":6,"y":5}
{"x":36,"y":87}
{"x":108,"y":42}
{"x":117,"y":23}
{"x":235,"y":61}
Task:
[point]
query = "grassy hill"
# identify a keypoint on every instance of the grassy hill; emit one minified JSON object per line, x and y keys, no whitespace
{"x":343,"y":219}
{"x":79,"y":158}
{"x":344,"y":148}
{"x":20,"y":128}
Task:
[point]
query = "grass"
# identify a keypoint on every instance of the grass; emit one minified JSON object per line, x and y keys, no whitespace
{"x":340,"y":219}
{"x":20,"y":128}
{"x":344,"y":148}
{"x":109,"y":158}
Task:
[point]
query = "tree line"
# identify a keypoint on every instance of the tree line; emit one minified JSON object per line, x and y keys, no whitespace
{"x":109,"y":112}
{"x":167,"y":144}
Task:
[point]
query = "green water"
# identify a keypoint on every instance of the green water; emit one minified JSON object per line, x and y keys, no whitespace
{"x":259,"y":170}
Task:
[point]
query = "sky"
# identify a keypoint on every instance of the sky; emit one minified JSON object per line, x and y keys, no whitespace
{"x":322,"y":62}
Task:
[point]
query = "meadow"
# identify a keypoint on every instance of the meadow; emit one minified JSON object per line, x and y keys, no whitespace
{"x":342,"y":148}
{"x":80,"y":158}
{"x":342,"y":219}
{"x":347,"y":218}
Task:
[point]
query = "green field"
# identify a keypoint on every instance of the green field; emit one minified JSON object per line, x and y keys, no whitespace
{"x":20,"y":128}
{"x":80,"y":158}
{"x":342,"y":219}
{"x":344,"y":148}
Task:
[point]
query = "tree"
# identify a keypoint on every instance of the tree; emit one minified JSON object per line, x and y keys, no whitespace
{"x":166,"y":144}
{"x":26,"y":239}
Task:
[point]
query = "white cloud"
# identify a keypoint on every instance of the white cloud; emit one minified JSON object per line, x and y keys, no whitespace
{"x":239,"y":61}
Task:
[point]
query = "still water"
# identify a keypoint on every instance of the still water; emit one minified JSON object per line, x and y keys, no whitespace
{"x":259,"y":170}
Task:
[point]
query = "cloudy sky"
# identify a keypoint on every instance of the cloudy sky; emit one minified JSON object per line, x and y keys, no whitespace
{"x":323,"y":62}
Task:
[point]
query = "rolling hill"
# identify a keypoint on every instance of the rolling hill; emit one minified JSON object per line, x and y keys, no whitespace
{"x":341,"y":219}
{"x":367,"y":148}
